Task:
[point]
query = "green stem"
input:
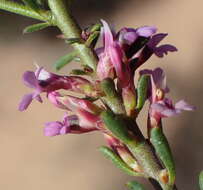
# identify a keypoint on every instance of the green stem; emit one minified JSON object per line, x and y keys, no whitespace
{"x":25,"y":11}
{"x":70,"y":29}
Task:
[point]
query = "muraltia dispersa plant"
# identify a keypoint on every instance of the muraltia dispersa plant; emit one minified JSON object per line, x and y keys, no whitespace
{"x":111,"y":70}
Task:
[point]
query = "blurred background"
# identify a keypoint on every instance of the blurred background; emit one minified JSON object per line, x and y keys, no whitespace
{"x":31,"y":161}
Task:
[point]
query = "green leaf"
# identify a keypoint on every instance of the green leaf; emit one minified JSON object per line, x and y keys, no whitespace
{"x":134,"y":185}
{"x":201,"y":180}
{"x":92,"y":39}
{"x":64,"y":60}
{"x":142,"y":91}
{"x":35,"y":27}
{"x":32,"y":4}
{"x":41,"y":2}
{"x":74,"y":40}
{"x":78,"y":72}
{"x":163,"y":151}
{"x":117,"y":161}
{"x":96,"y":27}
{"x":117,"y":125}
{"x":112,"y":98}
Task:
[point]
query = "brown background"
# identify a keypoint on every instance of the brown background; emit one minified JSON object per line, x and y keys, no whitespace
{"x":30,"y":161}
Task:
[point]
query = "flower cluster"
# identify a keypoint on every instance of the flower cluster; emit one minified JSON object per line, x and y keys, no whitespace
{"x":112,"y":86}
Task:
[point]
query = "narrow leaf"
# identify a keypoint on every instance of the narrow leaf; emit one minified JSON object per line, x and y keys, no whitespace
{"x":92,"y":39}
{"x":142,"y":91}
{"x":31,"y":4}
{"x":96,"y":27}
{"x":78,"y":72}
{"x":74,"y":40}
{"x":163,"y":151}
{"x":117,"y":161}
{"x":35,"y":27}
{"x":117,"y":125}
{"x":134,"y":185}
{"x":64,"y":60}
{"x":201,"y":180}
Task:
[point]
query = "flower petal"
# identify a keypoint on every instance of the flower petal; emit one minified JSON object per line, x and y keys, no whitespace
{"x":164,"y":49}
{"x":183,"y":105}
{"x":146,"y":31}
{"x":25,"y":102}
{"x":156,"y":39}
{"x":52,"y":128}
{"x":30,"y":79}
{"x":107,"y":34}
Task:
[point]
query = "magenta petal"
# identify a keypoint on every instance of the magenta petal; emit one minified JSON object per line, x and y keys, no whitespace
{"x":146,"y":31}
{"x":183,"y":105}
{"x":108,"y":37}
{"x":164,"y":49}
{"x":52,"y":128}
{"x":30,"y":79}
{"x":25,"y":102}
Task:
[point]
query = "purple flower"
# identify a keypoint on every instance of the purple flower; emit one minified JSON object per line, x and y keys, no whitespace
{"x":158,"y":83}
{"x":130,"y":35}
{"x":43,"y":81}
{"x":69,"y":124}
{"x":159,"y":105}
{"x":60,"y":128}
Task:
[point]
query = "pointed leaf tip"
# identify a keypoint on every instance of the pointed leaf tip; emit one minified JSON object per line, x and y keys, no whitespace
{"x":64,"y":60}
{"x":35,"y":27}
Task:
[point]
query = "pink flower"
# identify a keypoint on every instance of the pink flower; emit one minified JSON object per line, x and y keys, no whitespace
{"x":160,"y":106}
{"x":43,"y":81}
{"x":69,"y":124}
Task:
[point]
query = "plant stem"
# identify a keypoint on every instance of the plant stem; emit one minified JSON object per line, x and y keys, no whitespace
{"x":25,"y":11}
{"x":70,"y":29}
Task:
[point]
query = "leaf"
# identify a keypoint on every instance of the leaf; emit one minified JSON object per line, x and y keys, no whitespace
{"x":163,"y":151}
{"x":74,"y":40}
{"x":142,"y":91}
{"x":134,"y":185}
{"x":31,"y":4}
{"x":117,"y":161}
{"x":35,"y":27}
{"x":78,"y":72}
{"x":92,"y":39}
{"x":117,"y":125}
{"x":64,"y":60}
{"x":96,"y":27}
{"x":201,"y":180}
{"x":112,"y":98}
